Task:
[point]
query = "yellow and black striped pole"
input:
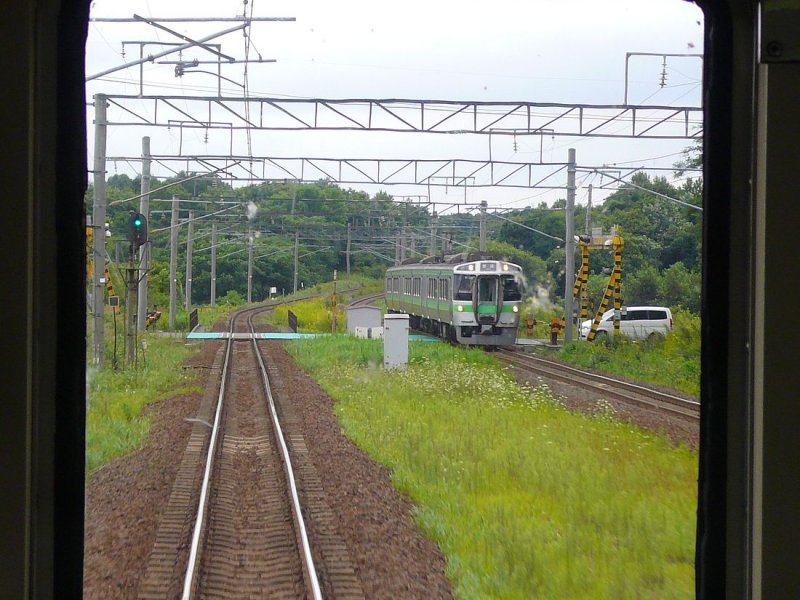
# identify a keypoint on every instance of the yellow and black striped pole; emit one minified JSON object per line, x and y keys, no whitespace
{"x":603,"y":307}
{"x":612,"y":289}
{"x":584,"y":275}
{"x":580,"y":289}
{"x":111,"y":294}
{"x":617,"y":244}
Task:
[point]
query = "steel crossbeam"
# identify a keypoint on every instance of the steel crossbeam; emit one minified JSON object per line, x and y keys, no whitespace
{"x":413,"y":116}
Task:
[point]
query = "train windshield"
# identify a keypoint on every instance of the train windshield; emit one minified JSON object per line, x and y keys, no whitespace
{"x":463,"y":287}
{"x":511,"y":289}
{"x":487,"y":289}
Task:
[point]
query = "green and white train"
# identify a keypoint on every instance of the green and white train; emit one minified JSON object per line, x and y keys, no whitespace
{"x":472,"y":302}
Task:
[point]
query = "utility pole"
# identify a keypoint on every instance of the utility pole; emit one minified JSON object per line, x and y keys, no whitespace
{"x":347,"y":253}
{"x":570,"y":248}
{"x":482,"y":246}
{"x":144,"y":250}
{"x":173,"y":263}
{"x":434,"y":219}
{"x":213,"y":264}
{"x":296,"y":258}
{"x":403,"y":244}
{"x":250,"y":266}
{"x":189,"y":245}
{"x":99,"y":221}
{"x":397,"y":248}
{"x":587,"y":228}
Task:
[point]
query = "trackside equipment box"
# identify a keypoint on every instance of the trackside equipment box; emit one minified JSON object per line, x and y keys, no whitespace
{"x":395,"y":341}
{"x":363,"y":316}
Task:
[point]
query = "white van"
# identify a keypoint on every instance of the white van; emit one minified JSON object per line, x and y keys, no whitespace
{"x":636,"y":322}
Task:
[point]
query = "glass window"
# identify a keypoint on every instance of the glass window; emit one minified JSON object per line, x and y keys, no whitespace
{"x":463,"y":287}
{"x":487,"y":289}
{"x":657,"y":314}
{"x":511,"y":289}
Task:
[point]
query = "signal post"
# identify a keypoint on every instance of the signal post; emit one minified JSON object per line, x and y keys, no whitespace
{"x":137,"y":236}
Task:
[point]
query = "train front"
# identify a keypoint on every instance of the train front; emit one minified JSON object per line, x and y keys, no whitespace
{"x":486,"y":302}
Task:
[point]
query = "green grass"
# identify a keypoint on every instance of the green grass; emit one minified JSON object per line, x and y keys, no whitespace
{"x":526,"y":499}
{"x":316,"y":314}
{"x":114,"y":422}
{"x":673,"y":361}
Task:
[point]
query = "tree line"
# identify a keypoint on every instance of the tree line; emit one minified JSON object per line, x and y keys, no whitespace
{"x":661,"y":260}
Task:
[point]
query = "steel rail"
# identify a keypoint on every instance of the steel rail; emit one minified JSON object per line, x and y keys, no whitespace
{"x":188,"y":581}
{"x":621,"y":390}
{"x":194,"y":549}
{"x":365,"y":300}
{"x":308,"y":560}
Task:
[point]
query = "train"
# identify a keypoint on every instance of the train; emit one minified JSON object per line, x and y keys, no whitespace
{"x":465,"y":298}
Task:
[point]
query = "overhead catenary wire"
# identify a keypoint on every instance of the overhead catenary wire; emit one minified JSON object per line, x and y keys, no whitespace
{"x":658,"y":194}
{"x":163,"y":187}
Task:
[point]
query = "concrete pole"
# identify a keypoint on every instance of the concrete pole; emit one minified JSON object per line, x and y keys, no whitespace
{"x":99,"y":221}
{"x":296,"y":259}
{"x":403,"y":244}
{"x":570,"y":248}
{"x":249,"y":266}
{"x":213,"y":264}
{"x":189,"y":246}
{"x":173,"y":263}
{"x":434,"y":219}
{"x":397,"y":248}
{"x":144,"y":251}
{"x":482,"y":246}
{"x":347,"y":252}
{"x":588,"y":226}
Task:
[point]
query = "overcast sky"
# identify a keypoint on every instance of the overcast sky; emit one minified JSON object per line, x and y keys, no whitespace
{"x":568,"y":51}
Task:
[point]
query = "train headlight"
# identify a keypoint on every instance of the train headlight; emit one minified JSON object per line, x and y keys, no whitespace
{"x":515,"y":308}
{"x":460,"y":308}
{"x":505,"y":267}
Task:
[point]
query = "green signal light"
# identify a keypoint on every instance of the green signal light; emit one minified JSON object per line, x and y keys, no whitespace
{"x":137,"y":222}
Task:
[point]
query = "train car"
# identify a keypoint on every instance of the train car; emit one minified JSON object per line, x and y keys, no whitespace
{"x":465,"y":299}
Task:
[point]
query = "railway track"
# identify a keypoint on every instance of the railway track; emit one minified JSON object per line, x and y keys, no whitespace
{"x":250,"y":535}
{"x":366,"y":300}
{"x":622,"y":391}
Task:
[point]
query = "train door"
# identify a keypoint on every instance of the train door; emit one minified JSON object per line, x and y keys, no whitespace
{"x":487,"y":304}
